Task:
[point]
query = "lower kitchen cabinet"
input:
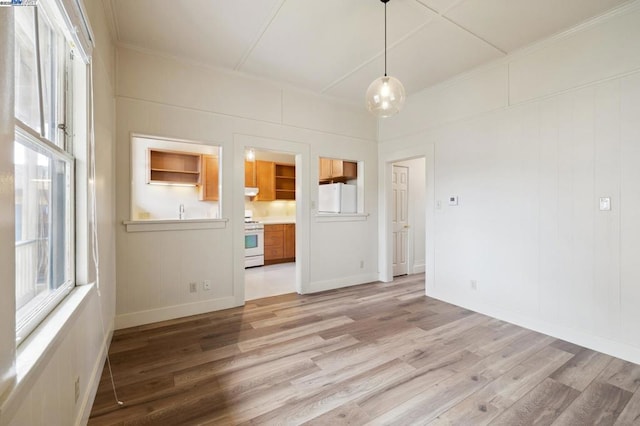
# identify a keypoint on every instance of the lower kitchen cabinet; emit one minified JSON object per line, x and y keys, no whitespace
{"x":279,"y":243}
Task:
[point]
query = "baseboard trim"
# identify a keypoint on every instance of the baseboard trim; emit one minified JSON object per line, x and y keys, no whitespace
{"x":419,"y":268}
{"x":597,"y":343}
{"x":317,"y":286}
{"x":171,"y":312}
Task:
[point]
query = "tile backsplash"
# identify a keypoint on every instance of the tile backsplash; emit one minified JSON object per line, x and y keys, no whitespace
{"x":265,"y":209}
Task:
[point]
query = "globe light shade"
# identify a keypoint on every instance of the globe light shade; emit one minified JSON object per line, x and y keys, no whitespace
{"x":385,"y":96}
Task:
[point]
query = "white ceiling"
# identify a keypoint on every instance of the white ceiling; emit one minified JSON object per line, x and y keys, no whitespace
{"x":336,"y":46}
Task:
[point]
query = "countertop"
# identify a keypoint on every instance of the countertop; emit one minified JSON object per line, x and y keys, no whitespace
{"x":276,"y":221}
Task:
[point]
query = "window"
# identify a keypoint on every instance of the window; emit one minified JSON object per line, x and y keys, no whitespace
{"x":174,"y":179}
{"x":44,"y":184}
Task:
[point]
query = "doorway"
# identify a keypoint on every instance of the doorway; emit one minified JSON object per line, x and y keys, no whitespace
{"x":408,"y":216}
{"x":270,"y":220}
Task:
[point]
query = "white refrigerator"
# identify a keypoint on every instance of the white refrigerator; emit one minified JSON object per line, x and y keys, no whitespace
{"x":337,"y":198}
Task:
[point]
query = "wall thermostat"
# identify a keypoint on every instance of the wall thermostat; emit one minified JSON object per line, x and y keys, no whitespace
{"x":453,"y":200}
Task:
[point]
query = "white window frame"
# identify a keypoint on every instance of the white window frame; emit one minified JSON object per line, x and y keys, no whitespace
{"x":62,"y":151}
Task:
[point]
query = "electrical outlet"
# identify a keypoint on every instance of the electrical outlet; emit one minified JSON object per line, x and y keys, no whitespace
{"x":474,"y":285}
{"x":361,"y":264}
{"x":77,"y":389}
{"x":206,"y":285}
{"x":193,"y":287}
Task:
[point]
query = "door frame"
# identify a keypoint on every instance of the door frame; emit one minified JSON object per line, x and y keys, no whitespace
{"x":387,"y":156}
{"x":241,"y":142}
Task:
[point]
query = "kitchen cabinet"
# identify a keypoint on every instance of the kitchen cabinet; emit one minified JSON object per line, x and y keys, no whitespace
{"x":265,"y":180}
{"x":275,"y":181}
{"x":285,"y":181}
{"x":171,"y":167}
{"x":250,"y":174}
{"x":209,"y":187}
{"x":332,"y":170}
{"x":290,"y":241}
{"x":279,"y":243}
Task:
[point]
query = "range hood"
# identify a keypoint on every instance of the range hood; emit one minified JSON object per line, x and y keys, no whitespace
{"x":250,"y":191}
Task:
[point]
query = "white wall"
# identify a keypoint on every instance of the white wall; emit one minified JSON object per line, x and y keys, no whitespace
{"x":164,"y":97}
{"x":47,"y":394}
{"x":529,"y":144}
{"x":416,"y":213}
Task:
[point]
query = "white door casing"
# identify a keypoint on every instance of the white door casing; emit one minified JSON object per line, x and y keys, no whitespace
{"x":400,"y":219}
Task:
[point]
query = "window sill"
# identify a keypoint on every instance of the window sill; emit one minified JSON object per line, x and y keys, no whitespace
{"x":341,"y":217}
{"x":173,"y":224}
{"x":36,"y":350}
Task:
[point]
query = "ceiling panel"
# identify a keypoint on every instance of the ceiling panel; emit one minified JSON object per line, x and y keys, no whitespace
{"x":313,"y":43}
{"x":510,"y":24}
{"x":216,"y":32}
{"x":440,"y":5}
{"x":336,"y":46}
{"x":435,"y":53}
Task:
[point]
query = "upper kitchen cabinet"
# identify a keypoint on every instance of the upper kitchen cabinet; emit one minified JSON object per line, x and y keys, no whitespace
{"x":172,"y":167}
{"x":209,"y":188}
{"x":250,"y":174}
{"x":333,"y":170}
{"x":265,"y":180}
{"x":275,"y":181}
{"x":285,"y":182}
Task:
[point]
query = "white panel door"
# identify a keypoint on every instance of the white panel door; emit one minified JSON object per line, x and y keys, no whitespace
{"x":400,"y":220}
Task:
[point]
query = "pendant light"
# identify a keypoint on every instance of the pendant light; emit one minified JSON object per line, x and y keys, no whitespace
{"x":385,"y":96}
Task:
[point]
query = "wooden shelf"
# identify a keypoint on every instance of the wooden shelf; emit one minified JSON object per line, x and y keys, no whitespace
{"x":171,"y":167}
{"x":275,"y":181}
{"x":285,"y":182}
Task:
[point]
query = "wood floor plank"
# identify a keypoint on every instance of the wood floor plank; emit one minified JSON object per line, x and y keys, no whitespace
{"x":582,"y":369}
{"x":380,"y":353}
{"x":541,"y":406}
{"x":486,"y":404}
{"x":432,"y":401}
{"x":631,"y":413}
{"x":347,"y":414}
{"x":303,"y":408}
{"x":600,"y":404}
{"x":291,"y":334}
{"x":623,"y":374}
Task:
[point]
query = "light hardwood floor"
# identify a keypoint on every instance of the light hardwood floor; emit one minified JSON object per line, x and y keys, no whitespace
{"x":376,"y":353}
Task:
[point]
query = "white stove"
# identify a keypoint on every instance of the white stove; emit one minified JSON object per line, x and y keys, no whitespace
{"x":253,"y":241}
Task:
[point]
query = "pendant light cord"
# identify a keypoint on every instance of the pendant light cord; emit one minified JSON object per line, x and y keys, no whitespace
{"x":385,"y":39}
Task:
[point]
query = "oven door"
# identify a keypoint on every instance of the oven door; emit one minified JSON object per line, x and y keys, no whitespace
{"x":253,"y":244}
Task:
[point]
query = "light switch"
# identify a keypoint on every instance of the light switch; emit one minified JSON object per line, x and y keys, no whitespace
{"x":605,"y":203}
{"x":453,"y":200}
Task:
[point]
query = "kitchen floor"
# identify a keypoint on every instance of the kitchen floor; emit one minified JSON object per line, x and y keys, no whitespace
{"x":271,"y":280}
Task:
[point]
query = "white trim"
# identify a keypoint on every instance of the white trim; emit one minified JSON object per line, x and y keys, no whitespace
{"x":418,"y":268}
{"x":597,"y":343}
{"x":173,"y":225}
{"x":385,"y":239}
{"x":318,"y":286}
{"x":171,"y":312}
{"x":235,"y":162}
{"x":341,"y":217}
